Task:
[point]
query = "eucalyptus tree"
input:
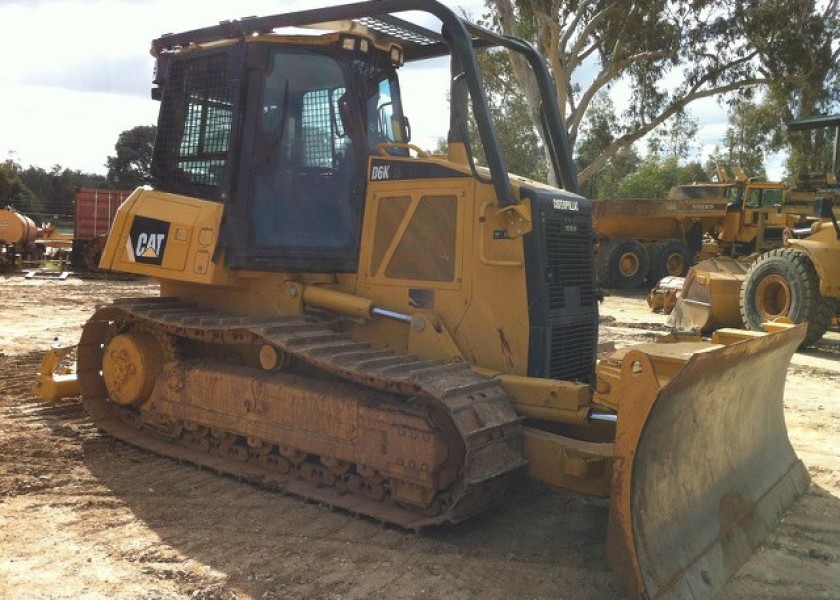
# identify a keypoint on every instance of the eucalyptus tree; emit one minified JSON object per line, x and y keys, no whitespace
{"x":667,"y":53}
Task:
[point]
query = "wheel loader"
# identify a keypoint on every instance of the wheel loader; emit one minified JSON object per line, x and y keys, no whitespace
{"x":408,"y":335}
{"x":798,"y":280}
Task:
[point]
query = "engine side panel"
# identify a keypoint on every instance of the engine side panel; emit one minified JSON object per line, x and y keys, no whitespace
{"x":166,"y":236}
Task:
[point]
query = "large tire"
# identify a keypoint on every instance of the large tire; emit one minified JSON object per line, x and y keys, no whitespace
{"x":621,"y":264}
{"x":784,"y":283}
{"x":668,"y":258}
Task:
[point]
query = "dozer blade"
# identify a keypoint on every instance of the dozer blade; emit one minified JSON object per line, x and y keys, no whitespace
{"x":703,"y":467}
{"x":710,"y":296}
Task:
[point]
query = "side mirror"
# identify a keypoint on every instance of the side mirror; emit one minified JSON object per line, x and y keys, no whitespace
{"x":407,"y":127}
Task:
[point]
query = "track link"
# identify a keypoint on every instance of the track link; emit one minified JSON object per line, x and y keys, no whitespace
{"x":476,"y":408}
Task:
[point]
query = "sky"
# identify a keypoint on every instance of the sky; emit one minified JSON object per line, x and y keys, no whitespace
{"x":76,"y":73}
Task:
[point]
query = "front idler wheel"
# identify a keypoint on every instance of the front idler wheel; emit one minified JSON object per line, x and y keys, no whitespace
{"x":131,"y":363}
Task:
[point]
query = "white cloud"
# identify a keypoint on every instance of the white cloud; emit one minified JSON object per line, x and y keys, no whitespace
{"x":45,"y":126}
{"x":76,"y":73}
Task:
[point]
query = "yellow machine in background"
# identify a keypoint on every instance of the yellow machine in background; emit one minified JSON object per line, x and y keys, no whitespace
{"x":403,"y":334}
{"x":798,"y":281}
{"x":645,"y":240}
{"x":21,"y":240}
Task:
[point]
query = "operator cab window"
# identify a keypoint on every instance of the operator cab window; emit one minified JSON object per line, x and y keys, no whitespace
{"x":735,"y":196}
{"x":759,"y":198}
{"x":302,"y":193}
{"x":385,"y":120}
{"x":192,"y":149}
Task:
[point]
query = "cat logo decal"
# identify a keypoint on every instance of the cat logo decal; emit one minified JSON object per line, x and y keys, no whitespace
{"x":147,"y":241}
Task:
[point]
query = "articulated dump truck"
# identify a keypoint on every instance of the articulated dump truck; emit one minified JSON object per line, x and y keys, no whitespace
{"x":647,"y":240}
{"x":408,"y":335}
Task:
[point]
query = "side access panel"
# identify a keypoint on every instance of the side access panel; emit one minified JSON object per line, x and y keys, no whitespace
{"x":166,"y":236}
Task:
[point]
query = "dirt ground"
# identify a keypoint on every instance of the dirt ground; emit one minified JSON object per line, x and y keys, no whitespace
{"x":85,"y":516}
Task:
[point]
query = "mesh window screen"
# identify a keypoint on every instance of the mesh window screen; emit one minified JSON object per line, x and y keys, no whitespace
{"x":321,"y":133}
{"x":195,"y":122}
{"x":427,"y":249}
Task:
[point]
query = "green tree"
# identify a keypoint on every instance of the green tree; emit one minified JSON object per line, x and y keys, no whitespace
{"x":597,"y":134}
{"x":57,"y":188}
{"x":801,"y":60}
{"x":656,"y":176}
{"x":670,"y":53}
{"x":519,"y":139}
{"x":131,"y":166}
{"x":14,"y":192}
{"x":674,"y":137}
{"x":753,"y":131}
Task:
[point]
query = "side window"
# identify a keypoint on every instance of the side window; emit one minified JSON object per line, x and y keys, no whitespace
{"x":771,"y":198}
{"x":734,"y":196}
{"x":754,"y":198}
{"x":384,"y":114}
{"x":324,"y":139}
{"x":385,"y":111}
{"x":195,"y":123}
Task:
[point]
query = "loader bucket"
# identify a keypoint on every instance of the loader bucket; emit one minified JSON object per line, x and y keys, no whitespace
{"x":703,"y":468}
{"x":710,"y":297}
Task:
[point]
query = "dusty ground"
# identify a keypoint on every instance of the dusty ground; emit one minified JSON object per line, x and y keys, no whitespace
{"x":84,"y":516}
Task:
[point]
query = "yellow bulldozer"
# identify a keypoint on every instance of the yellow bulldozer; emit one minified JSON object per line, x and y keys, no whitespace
{"x":799,"y":280}
{"x":407,"y":335}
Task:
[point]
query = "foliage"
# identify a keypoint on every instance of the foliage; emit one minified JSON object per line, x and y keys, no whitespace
{"x":674,"y":137}
{"x":131,"y":166}
{"x":802,"y":61}
{"x":520,"y":141}
{"x":670,"y":53}
{"x":752,"y":133}
{"x":57,"y":188}
{"x":607,"y":182}
{"x":597,"y":135}
{"x":14,"y":192}
{"x":656,"y":176}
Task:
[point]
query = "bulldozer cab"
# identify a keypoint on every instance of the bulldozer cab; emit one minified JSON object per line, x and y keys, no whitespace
{"x":293,"y":173}
{"x":283,"y":129}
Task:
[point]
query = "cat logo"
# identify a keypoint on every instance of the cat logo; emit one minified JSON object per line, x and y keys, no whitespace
{"x":149,"y":245}
{"x":147,"y":241}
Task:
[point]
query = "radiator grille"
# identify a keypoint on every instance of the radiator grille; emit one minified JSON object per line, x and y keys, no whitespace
{"x":568,"y":241}
{"x":572,"y":353}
